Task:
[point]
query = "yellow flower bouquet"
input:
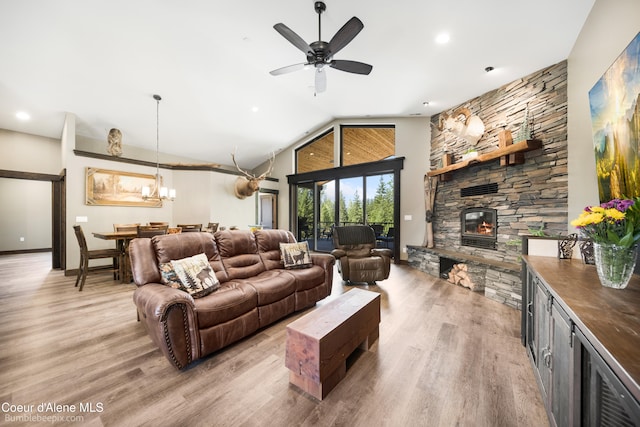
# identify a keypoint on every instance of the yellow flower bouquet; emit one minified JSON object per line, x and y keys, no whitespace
{"x":615,"y":222}
{"x":614,"y":228}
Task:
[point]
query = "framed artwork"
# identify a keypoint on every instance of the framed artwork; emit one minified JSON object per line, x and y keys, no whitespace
{"x":114,"y":188}
{"x":615,"y":120}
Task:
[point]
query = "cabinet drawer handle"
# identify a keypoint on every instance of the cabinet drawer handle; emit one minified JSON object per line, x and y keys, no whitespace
{"x":529,"y":306}
{"x":547,"y":359}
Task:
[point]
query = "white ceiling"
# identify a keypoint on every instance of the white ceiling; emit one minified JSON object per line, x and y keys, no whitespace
{"x":210,"y":62}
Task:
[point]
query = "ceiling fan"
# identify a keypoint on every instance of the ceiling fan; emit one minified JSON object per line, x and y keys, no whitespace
{"x":320,"y":53}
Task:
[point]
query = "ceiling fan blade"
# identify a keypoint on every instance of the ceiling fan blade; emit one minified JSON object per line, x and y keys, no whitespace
{"x":293,"y":38}
{"x":345,"y":34}
{"x":351,"y":66}
{"x":321,"y":80}
{"x":288,"y":69}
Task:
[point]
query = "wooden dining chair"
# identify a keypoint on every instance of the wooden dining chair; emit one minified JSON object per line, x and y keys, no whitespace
{"x":212,"y":227}
{"x":126,"y":267}
{"x":158,"y":223}
{"x":186,"y":228}
{"x":152,"y":230}
{"x":86,"y":255}
{"x":126,"y":227}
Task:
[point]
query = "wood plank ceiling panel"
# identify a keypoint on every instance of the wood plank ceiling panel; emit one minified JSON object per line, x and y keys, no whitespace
{"x":359,"y":145}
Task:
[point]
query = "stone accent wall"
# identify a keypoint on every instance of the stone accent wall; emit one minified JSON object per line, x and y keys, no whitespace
{"x":530,"y":196}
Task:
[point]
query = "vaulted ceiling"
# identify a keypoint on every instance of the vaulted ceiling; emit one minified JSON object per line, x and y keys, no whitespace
{"x":210,"y":62}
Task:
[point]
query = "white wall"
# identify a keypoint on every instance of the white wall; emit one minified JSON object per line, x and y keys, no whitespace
{"x":29,"y":153}
{"x":26,"y":217}
{"x":610,"y":27}
{"x":211,"y":199}
{"x":413,"y":138}
{"x":25,"y":222}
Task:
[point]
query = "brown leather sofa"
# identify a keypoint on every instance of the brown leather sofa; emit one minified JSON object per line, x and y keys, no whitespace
{"x":255,"y":289}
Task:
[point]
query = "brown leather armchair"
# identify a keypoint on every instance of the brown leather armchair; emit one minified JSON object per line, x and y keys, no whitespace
{"x":356,"y":254}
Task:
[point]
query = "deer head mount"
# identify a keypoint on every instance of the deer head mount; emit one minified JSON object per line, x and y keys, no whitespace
{"x":462,"y":124}
{"x":248,"y":184}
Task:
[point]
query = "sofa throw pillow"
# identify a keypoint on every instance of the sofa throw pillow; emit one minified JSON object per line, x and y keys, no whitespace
{"x":169,"y":277}
{"x":295,"y":255}
{"x":193,"y":275}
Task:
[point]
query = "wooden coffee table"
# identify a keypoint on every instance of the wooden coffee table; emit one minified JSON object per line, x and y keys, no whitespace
{"x":319,"y":343}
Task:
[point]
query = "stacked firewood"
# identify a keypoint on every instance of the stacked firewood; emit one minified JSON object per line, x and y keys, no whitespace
{"x":460,"y":276}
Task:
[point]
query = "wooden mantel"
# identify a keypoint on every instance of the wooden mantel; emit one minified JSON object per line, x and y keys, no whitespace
{"x":519,"y":147}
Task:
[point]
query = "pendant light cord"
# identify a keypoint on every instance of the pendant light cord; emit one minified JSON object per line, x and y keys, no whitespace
{"x":157,"y":98}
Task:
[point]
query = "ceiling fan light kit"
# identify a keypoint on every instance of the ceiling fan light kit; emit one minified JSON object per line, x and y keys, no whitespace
{"x":320,"y":53}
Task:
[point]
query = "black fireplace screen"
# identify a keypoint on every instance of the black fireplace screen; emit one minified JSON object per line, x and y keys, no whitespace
{"x":479,"y":227}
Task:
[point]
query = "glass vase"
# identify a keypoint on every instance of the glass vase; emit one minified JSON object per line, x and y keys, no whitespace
{"x":614,"y":264}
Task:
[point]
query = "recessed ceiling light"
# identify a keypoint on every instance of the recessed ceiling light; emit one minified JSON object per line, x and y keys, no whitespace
{"x":255,"y":109}
{"x":22,"y":115}
{"x":425,"y":104}
{"x":489,"y":69}
{"x":442,"y":38}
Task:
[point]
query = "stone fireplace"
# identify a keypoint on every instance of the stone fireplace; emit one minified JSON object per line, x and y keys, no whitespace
{"x":481,"y":211}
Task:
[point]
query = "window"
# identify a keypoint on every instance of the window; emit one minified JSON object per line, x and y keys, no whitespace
{"x":316,"y":155}
{"x":364,"y":144}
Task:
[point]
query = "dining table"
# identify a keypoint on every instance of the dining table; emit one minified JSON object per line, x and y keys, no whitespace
{"x":122,"y":239}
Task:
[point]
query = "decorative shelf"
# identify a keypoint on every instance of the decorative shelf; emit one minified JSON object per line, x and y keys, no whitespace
{"x":509,"y":155}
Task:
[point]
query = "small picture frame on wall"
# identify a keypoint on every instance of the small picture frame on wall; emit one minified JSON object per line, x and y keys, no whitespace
{"x":115,"y":188}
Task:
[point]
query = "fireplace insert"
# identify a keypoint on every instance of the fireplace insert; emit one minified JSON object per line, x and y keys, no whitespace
{"x":479,"y":228}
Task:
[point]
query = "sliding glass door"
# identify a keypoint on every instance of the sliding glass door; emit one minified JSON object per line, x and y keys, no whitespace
{"x":364,"y":199}
{"x":380,"y":208}
{"x":351,"y":192}
{"x":326,"y":215}
{"x":305,"y":213}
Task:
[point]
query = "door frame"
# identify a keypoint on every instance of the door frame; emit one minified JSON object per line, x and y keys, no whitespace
{"x":273,"y":195}
{"x":58,"y":210}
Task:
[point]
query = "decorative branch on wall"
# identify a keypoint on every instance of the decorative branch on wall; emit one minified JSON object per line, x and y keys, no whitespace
{"x":430,"y":188}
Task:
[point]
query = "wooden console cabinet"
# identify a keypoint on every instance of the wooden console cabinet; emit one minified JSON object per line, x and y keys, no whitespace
{"x":583,"y":341}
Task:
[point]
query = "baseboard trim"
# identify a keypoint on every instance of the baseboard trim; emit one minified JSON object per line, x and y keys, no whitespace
{"x":25,"y":251}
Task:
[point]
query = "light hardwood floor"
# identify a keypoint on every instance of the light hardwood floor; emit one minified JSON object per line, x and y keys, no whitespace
{"x":445,"y":357}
